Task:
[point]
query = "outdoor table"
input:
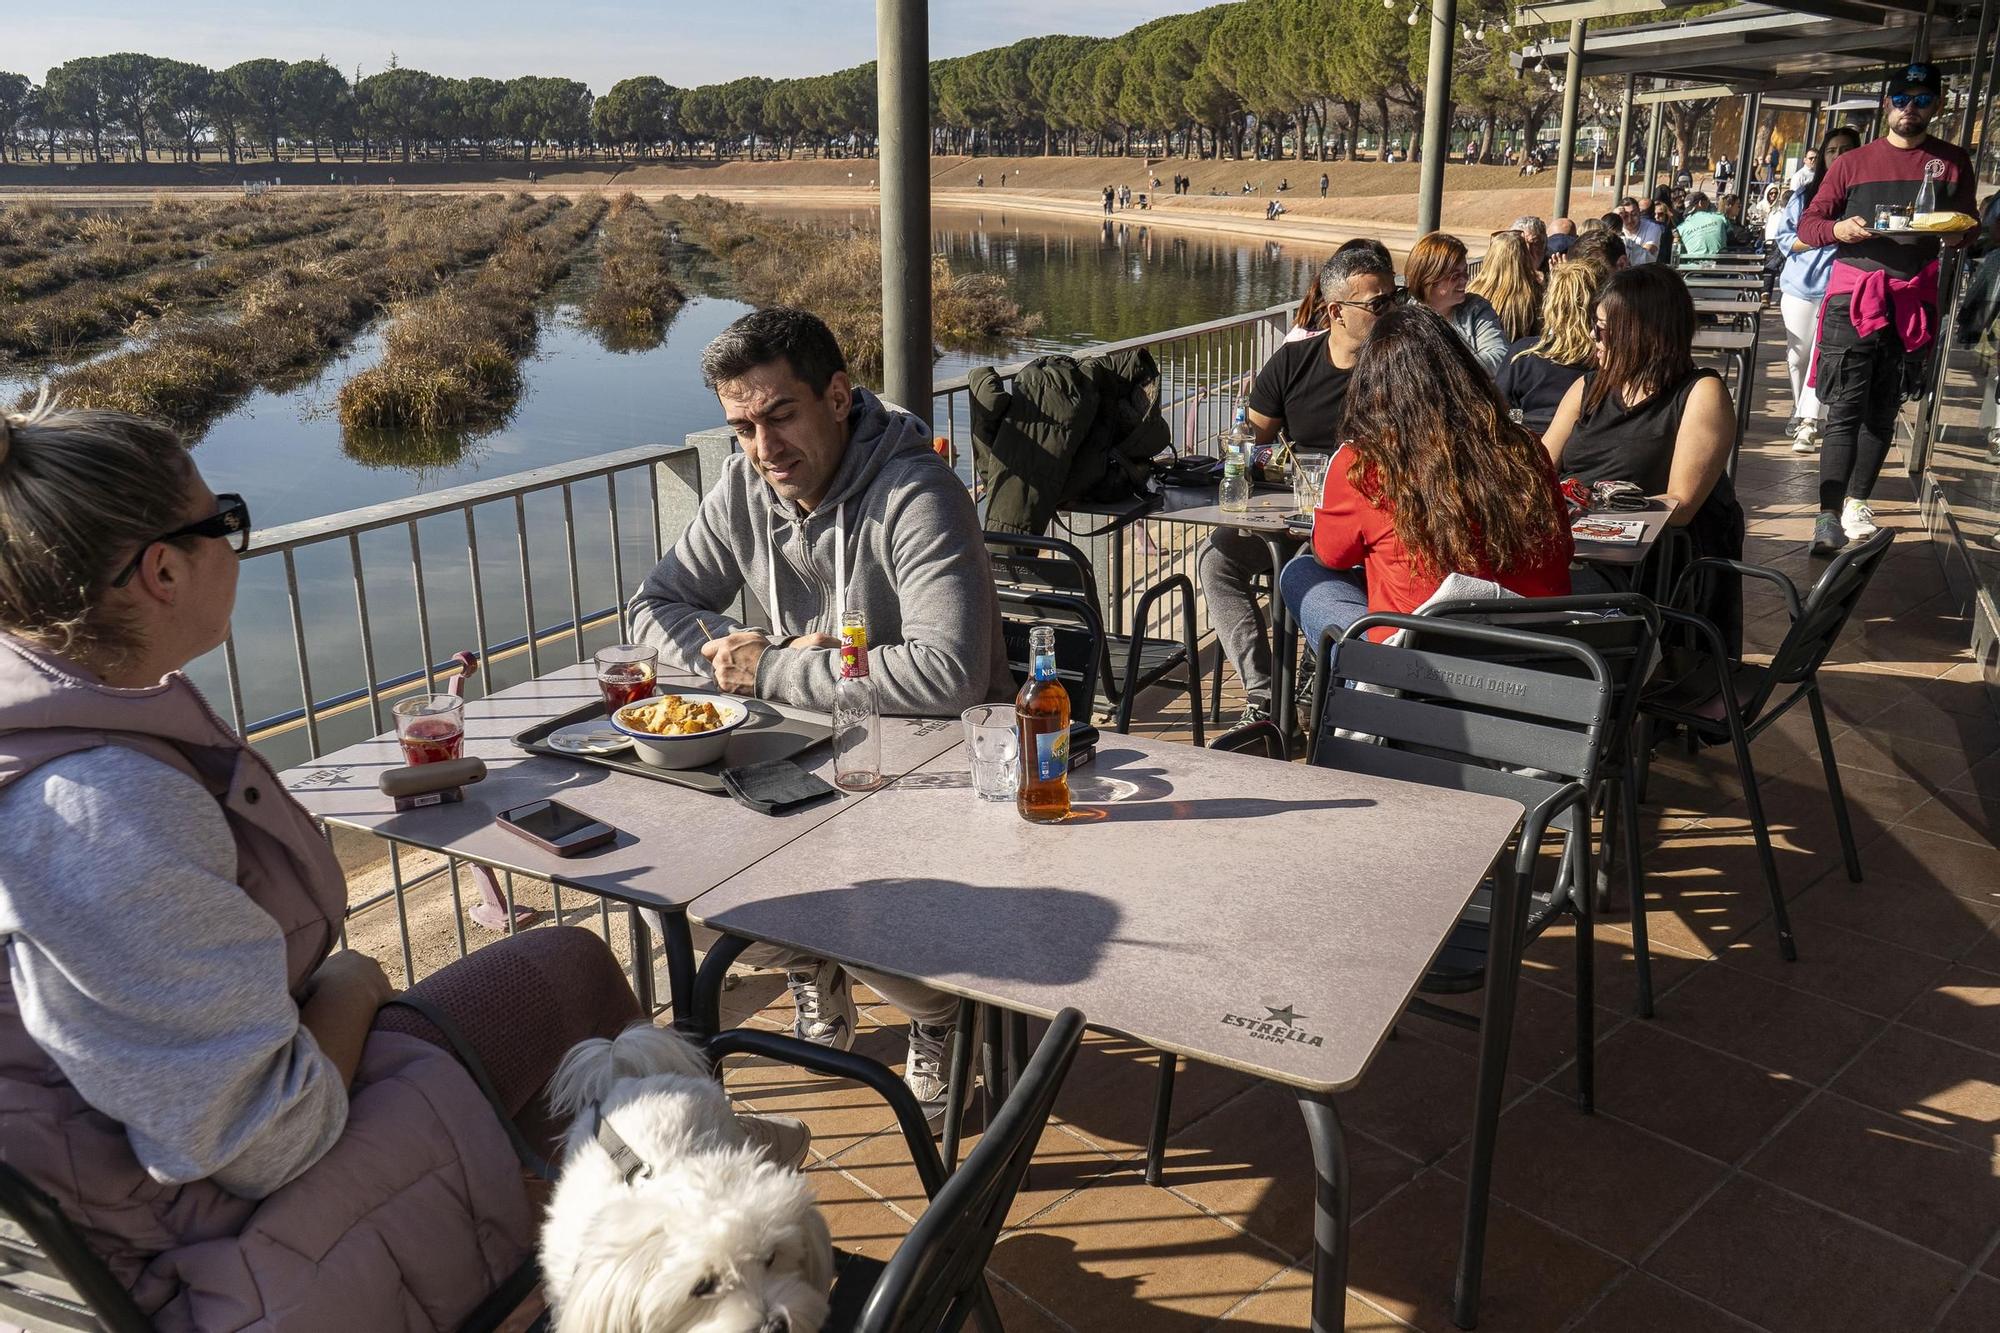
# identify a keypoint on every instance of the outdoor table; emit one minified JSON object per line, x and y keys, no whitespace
{"x":1739,"y":345}
{"x":1269,"y":918}
{"x":1620,"y":561}
{"x":673,"y":844}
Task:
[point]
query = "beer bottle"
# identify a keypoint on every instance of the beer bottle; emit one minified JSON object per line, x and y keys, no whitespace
{"x":1041,"y":712}
{"x":857,"y":718}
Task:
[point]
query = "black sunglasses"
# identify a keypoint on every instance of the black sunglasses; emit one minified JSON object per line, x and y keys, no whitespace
{"x":1383,"y":304}
{"x":1923,"y":101}
{"x":231,"y":520}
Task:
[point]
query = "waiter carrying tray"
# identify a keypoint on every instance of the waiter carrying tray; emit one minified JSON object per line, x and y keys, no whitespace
{"x":1881,"y":298}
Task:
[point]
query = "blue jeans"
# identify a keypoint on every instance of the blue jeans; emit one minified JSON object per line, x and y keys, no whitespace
{"x":1320,"y":598}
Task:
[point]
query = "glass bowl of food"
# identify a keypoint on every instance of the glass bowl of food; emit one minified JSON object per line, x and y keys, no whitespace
{"x":682,"y":730}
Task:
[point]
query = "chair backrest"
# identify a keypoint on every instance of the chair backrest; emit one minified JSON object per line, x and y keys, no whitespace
{"x":49,"y":1278}
{"x":1044,"y":580}
{"x":932,"y":1281}
{"x":1622,"y":628}
{"x":1450,"y":714}
{"x":1826,"y":611}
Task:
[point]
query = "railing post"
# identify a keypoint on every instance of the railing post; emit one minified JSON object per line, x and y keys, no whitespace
{"x":677,"y":488}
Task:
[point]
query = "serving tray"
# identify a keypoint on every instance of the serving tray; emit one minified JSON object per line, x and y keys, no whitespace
{"x":768,"y":734}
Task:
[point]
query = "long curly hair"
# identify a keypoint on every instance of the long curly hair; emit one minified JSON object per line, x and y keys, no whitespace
{"x":1466,"y":487}
{"x":1568,"y":339}
{"x":1508,"y":281}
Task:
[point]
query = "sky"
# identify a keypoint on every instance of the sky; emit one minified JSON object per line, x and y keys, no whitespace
{"x":685,"y":42}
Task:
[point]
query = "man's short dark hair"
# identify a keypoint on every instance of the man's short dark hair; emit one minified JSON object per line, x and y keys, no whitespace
{"x":1628,"y":199}
{"x":1355,"y":259}
{"x":797,"y":337}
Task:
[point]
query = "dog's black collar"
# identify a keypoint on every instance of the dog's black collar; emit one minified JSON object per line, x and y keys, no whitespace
{"x":623,"y":1155}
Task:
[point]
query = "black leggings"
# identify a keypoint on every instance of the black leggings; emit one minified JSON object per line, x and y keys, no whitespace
{"x":1861,"y":382}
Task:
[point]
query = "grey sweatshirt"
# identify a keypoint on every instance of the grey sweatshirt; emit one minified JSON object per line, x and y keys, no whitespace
{"x":897,"y":529}
{"x":152,"y":980}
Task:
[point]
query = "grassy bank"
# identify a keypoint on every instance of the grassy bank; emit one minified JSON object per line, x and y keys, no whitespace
{"x":838,"y":276}
{"x":635,"y":292}
{"x":450,"y":361}
{"x":297,"y":315}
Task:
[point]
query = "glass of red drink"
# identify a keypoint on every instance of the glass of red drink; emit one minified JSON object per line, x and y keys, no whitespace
{"x":627,"y":672}
{"x":431,"y":728}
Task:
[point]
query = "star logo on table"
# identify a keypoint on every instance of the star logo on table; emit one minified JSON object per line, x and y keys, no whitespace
{"x":1279,"y":1024}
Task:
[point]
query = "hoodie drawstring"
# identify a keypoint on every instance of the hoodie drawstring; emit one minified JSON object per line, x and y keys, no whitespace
{"x":839,"y":570}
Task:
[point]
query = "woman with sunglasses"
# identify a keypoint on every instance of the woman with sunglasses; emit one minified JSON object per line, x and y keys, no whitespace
{"x":1437,"y":275}
{"x":1881,"y":293}
{"x":1645,"y":413}
{"x":190,"y":1064}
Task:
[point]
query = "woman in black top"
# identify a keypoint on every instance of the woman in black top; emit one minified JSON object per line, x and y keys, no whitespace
{"x":1647,"y":415}
{"x":1543,"y":367}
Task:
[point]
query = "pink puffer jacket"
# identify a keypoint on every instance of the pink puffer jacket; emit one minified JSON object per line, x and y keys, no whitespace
{"x":418,"y":1210}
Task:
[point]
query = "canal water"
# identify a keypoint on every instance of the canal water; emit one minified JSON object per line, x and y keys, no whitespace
{"x":286,"y":452}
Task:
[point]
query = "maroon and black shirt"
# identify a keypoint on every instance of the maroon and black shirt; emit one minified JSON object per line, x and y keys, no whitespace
{"x":1881,"y":173}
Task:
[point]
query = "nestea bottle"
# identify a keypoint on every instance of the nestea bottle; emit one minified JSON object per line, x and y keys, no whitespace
{"x":857,"y":716}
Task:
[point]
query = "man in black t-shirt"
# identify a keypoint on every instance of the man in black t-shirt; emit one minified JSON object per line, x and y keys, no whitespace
{"x":1301,"y":391}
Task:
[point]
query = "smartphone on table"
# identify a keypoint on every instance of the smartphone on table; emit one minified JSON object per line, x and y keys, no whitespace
{"x":554,"y":827}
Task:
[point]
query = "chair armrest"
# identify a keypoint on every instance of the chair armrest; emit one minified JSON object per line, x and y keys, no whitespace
{"x":842,"y":1064}
{"x":1765,"y":572}
{"x":1718,"y":652}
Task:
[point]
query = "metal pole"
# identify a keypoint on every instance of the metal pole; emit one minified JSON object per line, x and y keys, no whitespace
{"x":1624,"y":140}
{"x":1657,"y":113}
{"x":1437,"y":119}
{"x":1974,"y":93}
{"x":1746,"y":142}
{"x":1572,"y":92}
{"x":902,"y":95}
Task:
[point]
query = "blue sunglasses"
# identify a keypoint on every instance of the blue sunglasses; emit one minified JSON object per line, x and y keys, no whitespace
{"x":1923,"y":101}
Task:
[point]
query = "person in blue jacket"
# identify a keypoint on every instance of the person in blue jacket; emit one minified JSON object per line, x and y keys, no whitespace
{"x":1802,"y":286}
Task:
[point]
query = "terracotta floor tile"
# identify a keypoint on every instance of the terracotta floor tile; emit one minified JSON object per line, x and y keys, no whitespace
{"x":839,"y":1114}
{"x":1250,"y":1162}
{"x":1778,"y":1028}
{"x":1417,"y":1096}
{"x":1930,"y":1082}
{"x":1697,"y":1097}
{"x":1910,"y":856}
{"x":1798,"y":812}
{"x":1108,"y":1096}
{"x":1963,"y":1004}
{"x":1923,"y":1187}
{"x":860,"y":1224}
{"x":1551,"y":962}
{"x":1959,"y":814}
{"x":1286,"y":1303}
{"x":1977,"y":1310}
{"x":1406,"y":1252}
{"x":1544,"y":1033}
{"x":1898,"y":903}
{"x":1839,"y":964}
{"x":1576,"y":1171}
{"x":1698,"y":909}
{"x":1983,"y":778}
{"x":1063,"y":1164}
{"x":1019,"y":1313}
{"x":1641,"y":1304}
{"x":1794,"y":1267}
{"x":1123,"y":1254}
{"x":1879,"y":747}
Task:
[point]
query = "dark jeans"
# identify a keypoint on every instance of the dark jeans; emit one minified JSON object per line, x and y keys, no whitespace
{"x":1321,"y":599}
{"x":1860,"y":381}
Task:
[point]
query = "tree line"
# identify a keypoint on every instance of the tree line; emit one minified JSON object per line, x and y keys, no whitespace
{"x":1278,"y":78}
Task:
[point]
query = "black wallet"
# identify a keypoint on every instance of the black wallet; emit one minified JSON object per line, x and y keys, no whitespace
{"x":774,"y":786}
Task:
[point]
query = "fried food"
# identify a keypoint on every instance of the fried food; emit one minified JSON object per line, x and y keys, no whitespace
{"x":1943,"y":222}
{"x":671,"y":715}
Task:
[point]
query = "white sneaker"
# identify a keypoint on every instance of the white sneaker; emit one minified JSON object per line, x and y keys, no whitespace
{"x":782,"y":1140}
{"x":823,"y":1006}
{"x":1857,"y":520}
{"x":925,"y":1070}
{"x":1805,"y":438}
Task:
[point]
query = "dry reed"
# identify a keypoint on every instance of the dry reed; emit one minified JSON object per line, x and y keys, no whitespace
{"x":635,"y":292}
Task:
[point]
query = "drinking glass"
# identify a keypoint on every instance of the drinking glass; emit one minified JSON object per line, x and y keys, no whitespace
{"x":996,"y":751}
{"x":1309,"y":480}
{"x":626,"y":672}
{"x":431,"y":728}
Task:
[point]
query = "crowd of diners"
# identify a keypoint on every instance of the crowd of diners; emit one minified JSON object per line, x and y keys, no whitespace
{"x":219,"y":1094}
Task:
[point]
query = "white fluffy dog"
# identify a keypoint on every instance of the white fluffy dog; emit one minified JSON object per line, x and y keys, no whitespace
{"x":691,"y":1230}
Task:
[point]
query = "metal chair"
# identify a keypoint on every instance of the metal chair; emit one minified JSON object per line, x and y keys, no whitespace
{"x":50,"y":1278}
{"x":1052,"y":579}
{"x":1718,"y":697}
{"x":1454,"y":714}
{"x":1265,"y":738}
{"x":936,"y":1280}
{"x":1624,"y":630}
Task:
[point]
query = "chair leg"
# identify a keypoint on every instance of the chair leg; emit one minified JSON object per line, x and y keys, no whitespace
{"x":1833,"y":787}
{"x":1635,"y":888}
{"x":1215,"y":693}
{"x":963,"y":1036}
{"x":1753,"y":805}
{"x":1586,"y":991}
{"x":1163,"y":1109}
{"x":1496,"y":1029}
{"x":1644,"y":758}
{"x":1612,"y":811}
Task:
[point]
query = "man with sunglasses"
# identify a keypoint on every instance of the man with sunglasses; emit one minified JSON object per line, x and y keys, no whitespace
{"x":1881,"y":295}
{"x":1302,"y":391}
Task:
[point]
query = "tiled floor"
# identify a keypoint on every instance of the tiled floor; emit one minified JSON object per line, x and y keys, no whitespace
{"x":1806,"y":1146}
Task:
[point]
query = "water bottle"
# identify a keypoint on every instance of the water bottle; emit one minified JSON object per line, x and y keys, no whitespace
{"x":857,"y":717}
{"x":1926,"y":195}
{"x":1237,"y":451}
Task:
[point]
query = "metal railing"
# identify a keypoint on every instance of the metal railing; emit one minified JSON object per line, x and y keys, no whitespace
{"x":339,"y":616}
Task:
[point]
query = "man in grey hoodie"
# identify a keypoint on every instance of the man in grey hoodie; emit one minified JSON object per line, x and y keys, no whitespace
{"x":836,"y":502}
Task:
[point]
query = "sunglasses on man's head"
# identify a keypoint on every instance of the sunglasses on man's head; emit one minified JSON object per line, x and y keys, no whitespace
{"x":1922,"y":101}
{"x":231,"y":520}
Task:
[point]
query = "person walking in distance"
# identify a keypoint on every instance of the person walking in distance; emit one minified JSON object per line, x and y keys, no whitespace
{"x":1323,"y":183}
{"x":1802,"y":286}
{"x":1881,"y":295}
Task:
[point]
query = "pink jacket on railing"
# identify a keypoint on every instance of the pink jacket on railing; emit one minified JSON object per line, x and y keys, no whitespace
{"x":417,"y":1211}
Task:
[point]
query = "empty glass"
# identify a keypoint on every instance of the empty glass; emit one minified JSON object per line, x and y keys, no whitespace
{"x":1309,"y":480}
{"x":995,"y":747}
